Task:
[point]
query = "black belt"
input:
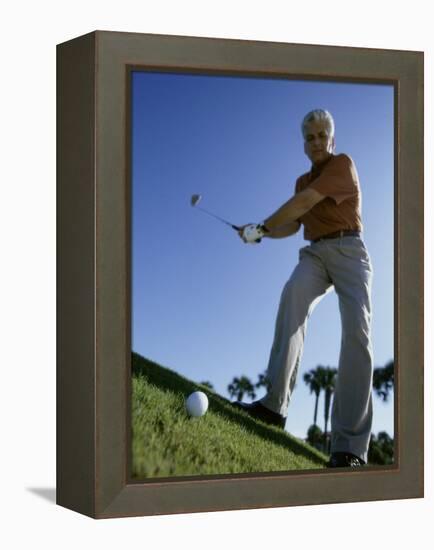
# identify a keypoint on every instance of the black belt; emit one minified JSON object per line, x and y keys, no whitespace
{"x":337,"y":234}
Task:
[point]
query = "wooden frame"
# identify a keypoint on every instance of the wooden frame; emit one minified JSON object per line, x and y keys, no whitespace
{"x":93,"y":381}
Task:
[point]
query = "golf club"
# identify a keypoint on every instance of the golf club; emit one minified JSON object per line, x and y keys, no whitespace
{"x":195,"y":199}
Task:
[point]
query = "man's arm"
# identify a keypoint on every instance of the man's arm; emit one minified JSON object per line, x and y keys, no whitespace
{"x":284,"y":231}
{"x":293,"y":209}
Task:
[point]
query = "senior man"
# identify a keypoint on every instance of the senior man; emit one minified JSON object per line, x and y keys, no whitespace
{"x":327,"y":202}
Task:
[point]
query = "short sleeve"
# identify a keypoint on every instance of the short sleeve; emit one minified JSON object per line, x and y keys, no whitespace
{"x":338,"y":180}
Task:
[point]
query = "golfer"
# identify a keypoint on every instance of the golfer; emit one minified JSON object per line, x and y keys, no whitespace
{"x":327,"y":202}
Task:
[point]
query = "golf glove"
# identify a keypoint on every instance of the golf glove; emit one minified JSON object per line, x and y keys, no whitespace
{"x":253,"y":233}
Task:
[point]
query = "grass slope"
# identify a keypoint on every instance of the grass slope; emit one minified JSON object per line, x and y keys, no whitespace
{"x":167,"y":442}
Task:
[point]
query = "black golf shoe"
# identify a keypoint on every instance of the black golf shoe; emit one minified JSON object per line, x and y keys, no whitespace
{"x":344,"y":460}
{"x":258,"y":411}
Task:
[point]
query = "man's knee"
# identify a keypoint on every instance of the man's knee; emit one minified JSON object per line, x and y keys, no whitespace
{"x":297,"y":296}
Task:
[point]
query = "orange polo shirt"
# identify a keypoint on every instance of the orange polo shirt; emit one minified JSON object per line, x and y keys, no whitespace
{"x":338,"y":181}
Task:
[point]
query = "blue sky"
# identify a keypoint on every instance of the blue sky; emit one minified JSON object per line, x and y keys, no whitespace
{"x":203,"y":303}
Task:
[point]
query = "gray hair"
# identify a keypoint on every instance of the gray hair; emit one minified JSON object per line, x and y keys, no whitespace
{"x":318,"y":114}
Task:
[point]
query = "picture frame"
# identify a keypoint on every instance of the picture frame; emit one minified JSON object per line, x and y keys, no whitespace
{"x":93,"y":274}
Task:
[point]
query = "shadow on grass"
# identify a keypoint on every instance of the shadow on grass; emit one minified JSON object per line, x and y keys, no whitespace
{"x":168,"y":380}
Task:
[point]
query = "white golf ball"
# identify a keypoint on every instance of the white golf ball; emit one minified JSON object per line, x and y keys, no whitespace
{"x":197,"y":403}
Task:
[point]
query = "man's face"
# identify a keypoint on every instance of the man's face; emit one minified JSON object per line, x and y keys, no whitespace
{"x":318,"y":144}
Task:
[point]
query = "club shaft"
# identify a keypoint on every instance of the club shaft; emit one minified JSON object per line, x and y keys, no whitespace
{"x":218,"y":218}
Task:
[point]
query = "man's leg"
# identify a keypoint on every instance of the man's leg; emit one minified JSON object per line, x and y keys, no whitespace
{"x":307,"y":285}
{"x":351,"y":419}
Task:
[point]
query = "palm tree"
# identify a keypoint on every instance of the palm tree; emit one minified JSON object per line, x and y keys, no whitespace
{"x":328,"y":385}
{"x":239,"y":386}
{"x":313,"y":379}
{"x":263,"y":381}
{"x":384,"y":380}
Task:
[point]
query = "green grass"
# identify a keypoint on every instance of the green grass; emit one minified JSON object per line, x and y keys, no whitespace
{"x":167,"y":442}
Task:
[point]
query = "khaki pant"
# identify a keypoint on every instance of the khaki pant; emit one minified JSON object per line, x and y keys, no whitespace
{"x":342,"y":263}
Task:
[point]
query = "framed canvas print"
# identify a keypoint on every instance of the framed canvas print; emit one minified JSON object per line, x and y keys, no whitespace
{"x":240,"y":274}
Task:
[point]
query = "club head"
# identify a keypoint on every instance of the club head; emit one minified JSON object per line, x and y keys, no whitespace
{"x":195,"y":199}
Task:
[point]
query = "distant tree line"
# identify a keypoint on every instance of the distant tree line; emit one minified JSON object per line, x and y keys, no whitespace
{"x":241,"y":386}
{"x":323,"y":379}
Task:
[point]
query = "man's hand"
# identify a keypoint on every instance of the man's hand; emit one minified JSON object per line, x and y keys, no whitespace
{"x":251,"y":233}
{"x":241,"y":231}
